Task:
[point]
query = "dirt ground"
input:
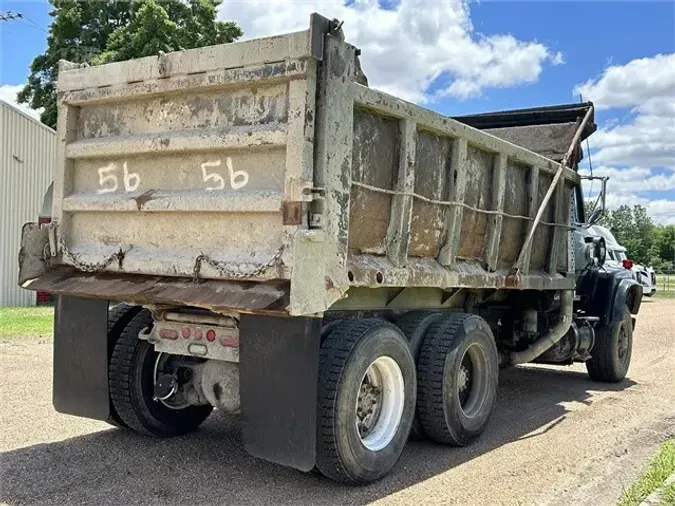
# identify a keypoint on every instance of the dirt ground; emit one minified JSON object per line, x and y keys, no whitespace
{"x":555,"y":438}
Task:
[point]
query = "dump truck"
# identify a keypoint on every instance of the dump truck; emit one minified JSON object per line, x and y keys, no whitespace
{"x":251,"y":227}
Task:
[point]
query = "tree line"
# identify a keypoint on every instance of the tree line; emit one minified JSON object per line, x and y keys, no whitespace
{"x":647,"y":243}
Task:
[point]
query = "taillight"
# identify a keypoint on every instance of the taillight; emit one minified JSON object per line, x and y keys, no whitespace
{"x":168,"y":334}
{"x":211,"y":335}
{"x":627,"y":264}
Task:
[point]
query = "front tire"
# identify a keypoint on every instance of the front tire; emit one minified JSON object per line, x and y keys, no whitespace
{"x":611,"y":353}
{"x":366,"y":400}
{"x":457,"y":379}
{"x":131,"y":383}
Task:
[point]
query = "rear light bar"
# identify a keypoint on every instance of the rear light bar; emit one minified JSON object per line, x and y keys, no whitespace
{"x":206,"y":341}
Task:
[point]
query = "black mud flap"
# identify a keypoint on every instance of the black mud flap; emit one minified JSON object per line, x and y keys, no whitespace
{"x":279,"y":368}
{"x":81,"y":357}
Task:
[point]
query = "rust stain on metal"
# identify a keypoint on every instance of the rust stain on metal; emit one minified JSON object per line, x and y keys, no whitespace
{"x":139,"y":289}
{"x":291,"y":213}
{"x":144,"y":198}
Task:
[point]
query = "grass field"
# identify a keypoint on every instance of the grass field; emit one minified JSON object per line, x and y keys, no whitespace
{"x":665,"y":283}
{"x":26,"y":322}
{"x":660,"y":468}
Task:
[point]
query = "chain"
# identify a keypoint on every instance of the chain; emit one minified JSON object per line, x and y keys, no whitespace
{"x":223,"y":268}
{"x":74,"y":258}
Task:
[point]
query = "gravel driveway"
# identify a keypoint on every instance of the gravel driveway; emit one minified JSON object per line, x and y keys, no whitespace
{"x":555,"y":438}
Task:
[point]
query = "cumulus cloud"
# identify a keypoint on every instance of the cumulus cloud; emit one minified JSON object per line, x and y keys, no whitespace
{"x":633,"y":84}
{"x":410,"y":46}
{"x":635,"y":179}
{"x":631,"y":186}
{"x":8,"y":94}
{"x":647,"y":87}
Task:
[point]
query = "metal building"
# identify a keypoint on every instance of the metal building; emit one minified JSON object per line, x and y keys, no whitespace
{"x":27,"y":150}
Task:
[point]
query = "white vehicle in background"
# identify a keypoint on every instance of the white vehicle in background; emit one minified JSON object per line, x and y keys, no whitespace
{"x":617,"y":257}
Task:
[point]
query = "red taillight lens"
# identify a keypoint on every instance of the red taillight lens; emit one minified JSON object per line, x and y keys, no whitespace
{"x":168,"y":334}
{"x":211,"y":335}
{"x":627,"y":264}
{"x":185,"y":332}
{"x":43,"y":220}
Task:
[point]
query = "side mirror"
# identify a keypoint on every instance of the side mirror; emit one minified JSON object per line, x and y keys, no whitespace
{"x":595,"y":216}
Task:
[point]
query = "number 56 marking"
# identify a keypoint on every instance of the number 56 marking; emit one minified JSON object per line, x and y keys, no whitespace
{"x":107,"y":179}
{"x":238,"y":179}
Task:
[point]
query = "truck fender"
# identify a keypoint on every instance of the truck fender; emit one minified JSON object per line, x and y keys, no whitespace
{"x":628,"y":292}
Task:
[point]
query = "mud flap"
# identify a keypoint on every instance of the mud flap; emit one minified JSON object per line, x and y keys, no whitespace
{"x":81,"y":357}
{"x":279,"y":367}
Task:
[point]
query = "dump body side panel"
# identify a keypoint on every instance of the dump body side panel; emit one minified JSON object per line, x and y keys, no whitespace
{"x":413,"y":198}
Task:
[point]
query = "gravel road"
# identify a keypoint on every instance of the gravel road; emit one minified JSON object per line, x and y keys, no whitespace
{"x":555,"y":438}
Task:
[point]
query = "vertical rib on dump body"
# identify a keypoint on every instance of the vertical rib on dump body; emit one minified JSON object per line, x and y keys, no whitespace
{"x":265,"y":161}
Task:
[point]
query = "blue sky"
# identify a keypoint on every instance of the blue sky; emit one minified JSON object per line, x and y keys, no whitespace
{"x":499,"y":55}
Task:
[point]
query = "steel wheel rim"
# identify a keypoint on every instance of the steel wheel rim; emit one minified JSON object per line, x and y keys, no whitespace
{"x":176,"y":401}
{"x":382,"y":383}
{"x":472,"y":380}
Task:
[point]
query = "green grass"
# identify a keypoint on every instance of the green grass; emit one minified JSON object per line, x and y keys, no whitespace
{"x":662,"y":284}
{"x":668,"y":495}
{"x":26,"y":322}
{"x":660,"y":468}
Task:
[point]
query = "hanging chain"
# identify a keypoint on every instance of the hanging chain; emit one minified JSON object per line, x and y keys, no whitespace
{"x":226,"y":271}
{"x":75,"y":261}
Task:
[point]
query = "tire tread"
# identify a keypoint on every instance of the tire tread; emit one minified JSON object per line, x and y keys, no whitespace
{"x":333,"y":357}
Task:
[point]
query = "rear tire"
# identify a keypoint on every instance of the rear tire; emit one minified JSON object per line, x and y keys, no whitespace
{"x":364,"y":362}
{"x":131,"y":384}
{"x":611,"y":353}
{"x":118,"y":318}
{"x":457,"y":379}
{"x":414,"y":326}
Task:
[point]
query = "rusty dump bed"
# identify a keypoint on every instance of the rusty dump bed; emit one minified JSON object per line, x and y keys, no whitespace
{"x":261,"y":176}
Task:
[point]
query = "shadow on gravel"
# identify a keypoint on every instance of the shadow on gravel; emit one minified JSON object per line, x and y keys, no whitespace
{"x":211,"y":466}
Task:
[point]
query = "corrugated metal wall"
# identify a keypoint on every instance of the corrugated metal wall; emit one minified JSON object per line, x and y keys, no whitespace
{"x":27,"y":150}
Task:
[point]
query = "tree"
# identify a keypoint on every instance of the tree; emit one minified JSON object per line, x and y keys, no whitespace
{"x":663,"y":245}
{"x":169,"y":26}
{"x":633,"y":229}
{"x":102,"y":31}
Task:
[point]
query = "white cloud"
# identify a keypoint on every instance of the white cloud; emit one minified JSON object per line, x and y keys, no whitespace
{"x":630,"y":186}
{"x":557,"y":59}
{"x":635,"y":179}
{"x":8,"y":94}
{"x":408,"y":47}
{"x":647,"y":87}
{"x":632,"y":84}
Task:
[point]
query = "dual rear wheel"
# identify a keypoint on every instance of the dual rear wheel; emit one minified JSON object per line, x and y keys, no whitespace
{"x":371,"y":393}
